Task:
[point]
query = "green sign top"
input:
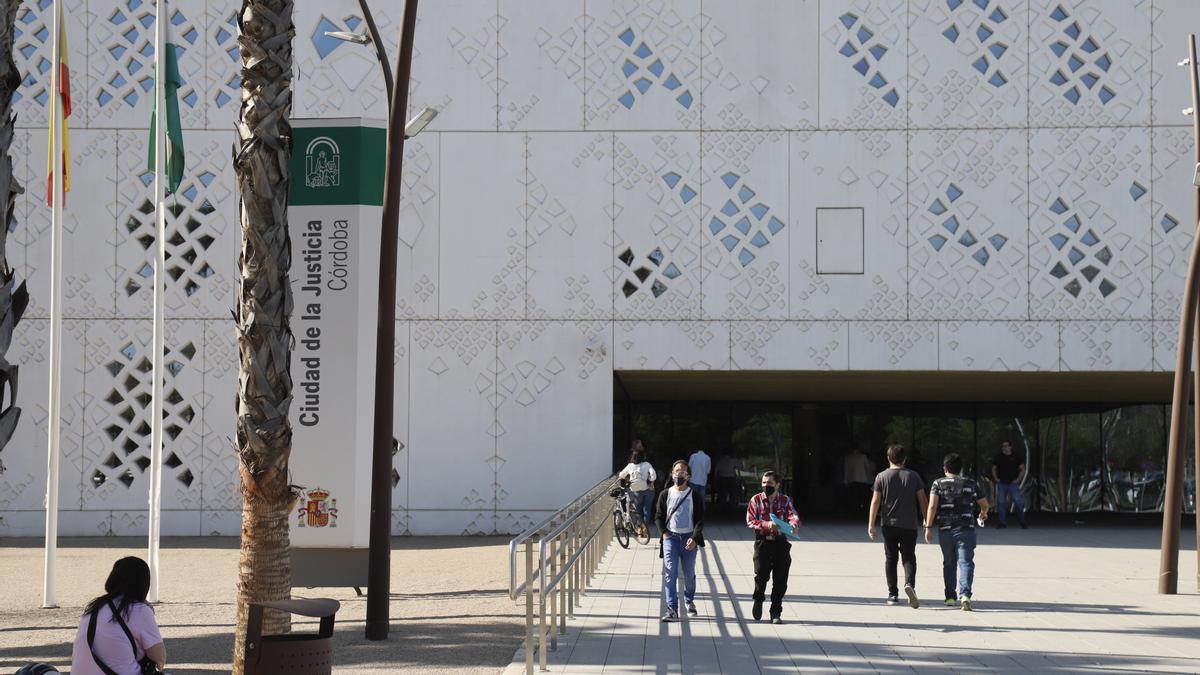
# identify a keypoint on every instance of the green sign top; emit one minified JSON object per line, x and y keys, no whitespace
{"x":334,"y":165}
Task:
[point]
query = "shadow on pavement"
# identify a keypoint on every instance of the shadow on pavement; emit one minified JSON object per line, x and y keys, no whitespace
{"x":438,"y":643}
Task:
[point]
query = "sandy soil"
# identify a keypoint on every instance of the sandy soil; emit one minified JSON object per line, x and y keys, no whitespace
{"x":450,"y":608}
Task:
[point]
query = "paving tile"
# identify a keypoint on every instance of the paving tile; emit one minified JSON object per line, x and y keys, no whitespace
{"x":1036,"y":609}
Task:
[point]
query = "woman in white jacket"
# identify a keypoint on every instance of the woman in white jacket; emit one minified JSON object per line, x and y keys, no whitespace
{"x":641,"y":477}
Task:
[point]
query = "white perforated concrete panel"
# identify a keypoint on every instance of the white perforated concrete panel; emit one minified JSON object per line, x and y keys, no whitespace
{"x":791,"y":185}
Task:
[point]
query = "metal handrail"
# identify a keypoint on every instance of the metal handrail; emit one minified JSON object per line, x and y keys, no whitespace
{"x":531,"y":533}
{"x":570,"y":544}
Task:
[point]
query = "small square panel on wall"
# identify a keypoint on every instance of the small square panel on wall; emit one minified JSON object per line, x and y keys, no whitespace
{"x":840,"y":240}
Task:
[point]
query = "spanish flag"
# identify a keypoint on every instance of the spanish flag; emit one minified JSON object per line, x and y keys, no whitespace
{"x":64,"y":95}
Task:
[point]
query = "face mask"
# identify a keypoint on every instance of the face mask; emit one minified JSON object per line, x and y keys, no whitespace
{"x":680,"y":480}
{"x":769,"y":490}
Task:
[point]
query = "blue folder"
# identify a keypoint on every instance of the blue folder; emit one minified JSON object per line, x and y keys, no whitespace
{"x":785,"y":527}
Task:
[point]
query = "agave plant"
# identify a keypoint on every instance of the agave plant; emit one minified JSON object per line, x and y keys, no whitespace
{"x":264,"y":302}
{"x":13,"y":298}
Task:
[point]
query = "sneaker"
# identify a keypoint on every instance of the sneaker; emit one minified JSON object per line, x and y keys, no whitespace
{"x":691,"y":609}
{"x":1001,"y":526}
{"x":912,"y":597}
{"x":756,"y":610}
{"x":966,"y":604}
{"x":776,"y":620}
{"x":670,"y":615}
{"x":950,"y":602}
{"x":893,"y":600}
{"x":1024,"y":526}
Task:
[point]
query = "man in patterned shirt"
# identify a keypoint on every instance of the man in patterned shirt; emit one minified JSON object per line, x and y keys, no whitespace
{"x":952,"y":503}
{"x":772,"y":559}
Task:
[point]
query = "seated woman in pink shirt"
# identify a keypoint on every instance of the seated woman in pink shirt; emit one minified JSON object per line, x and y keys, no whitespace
{"x":117,"y":629}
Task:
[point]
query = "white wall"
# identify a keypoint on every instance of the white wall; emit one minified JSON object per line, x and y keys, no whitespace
{"x":548,"y":162}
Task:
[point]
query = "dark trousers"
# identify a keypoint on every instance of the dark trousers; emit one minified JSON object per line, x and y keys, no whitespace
{"x":772,"y":560}
{"x":899,"y":542}
{"x":857,"y":498}
{"x":728,"y":487}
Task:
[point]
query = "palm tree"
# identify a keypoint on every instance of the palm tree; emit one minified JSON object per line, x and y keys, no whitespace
{"x":264,"y":435}
{"x":12,"y":300}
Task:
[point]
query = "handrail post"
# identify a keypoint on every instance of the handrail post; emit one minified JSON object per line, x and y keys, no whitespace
{"x":579,"y":579}
{"x":569,"y":536}
{"x":529,"y":607}
{"x":597,"y":523}
{"x":562,"y":590}
{"x":583,"y":560}
{"x":574,"y":569}
{"x":591,"y":567}
{"x":553,"y":597}
{"x":542,"y":605}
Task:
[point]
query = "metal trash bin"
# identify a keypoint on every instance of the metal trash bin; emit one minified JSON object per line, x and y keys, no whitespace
{"x":294,"y":653}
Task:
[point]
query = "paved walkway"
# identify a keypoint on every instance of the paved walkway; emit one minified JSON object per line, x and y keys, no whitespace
{"x":1047,"y":599}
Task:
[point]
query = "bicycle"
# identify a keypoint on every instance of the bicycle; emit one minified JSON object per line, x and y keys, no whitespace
{"x":623,"y":521}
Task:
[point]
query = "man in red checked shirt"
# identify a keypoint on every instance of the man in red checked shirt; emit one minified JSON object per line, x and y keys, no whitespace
{"x":771,"y":547}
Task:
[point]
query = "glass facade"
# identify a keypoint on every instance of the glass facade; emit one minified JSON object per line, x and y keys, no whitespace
{"x":1078,"y":458}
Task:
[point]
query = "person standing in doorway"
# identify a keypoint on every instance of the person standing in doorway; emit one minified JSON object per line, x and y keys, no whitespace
{"x":727,"y":481}
{"x":641,"y":477}
{"x":1008,"y":470}
{"x":900,"y":499}
{"x":772,"y":551}
{"x":953,"y":501}
{"x":858,"y":469}
{"x":700,"y":464}
{"x":680,"y":518}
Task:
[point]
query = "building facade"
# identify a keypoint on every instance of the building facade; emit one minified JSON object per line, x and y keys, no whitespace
{"x":880,"y":195}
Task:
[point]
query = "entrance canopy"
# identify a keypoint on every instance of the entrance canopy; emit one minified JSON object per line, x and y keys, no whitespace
{"x":641,"y":385}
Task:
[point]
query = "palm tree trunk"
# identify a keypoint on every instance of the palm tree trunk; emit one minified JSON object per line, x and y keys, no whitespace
{"x":264,"y":435}
{"x":12,"y":300}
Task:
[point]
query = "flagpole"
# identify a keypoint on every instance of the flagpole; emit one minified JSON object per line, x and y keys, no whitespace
{"x":54,"y":419}
{"x":160,"y":267}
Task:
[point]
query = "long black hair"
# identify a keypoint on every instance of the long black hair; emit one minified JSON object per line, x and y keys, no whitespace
{"x":128,"y":580}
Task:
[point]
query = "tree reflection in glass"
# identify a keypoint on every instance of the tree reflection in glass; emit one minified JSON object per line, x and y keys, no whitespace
{"x":1071,"y":466}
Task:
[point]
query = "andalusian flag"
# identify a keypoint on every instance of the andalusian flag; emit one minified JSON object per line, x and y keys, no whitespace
{"x":63,"y":96}
{"x":174,"y":135}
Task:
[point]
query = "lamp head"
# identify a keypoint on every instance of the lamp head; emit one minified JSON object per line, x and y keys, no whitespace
{"x":417,"y":124}
{"x":356,"y":38}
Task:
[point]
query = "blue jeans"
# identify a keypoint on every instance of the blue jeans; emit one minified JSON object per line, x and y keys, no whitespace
{"x":699,"y":490}
{"x":645,"y":501}
{"x":958,"y":561}
{"x":675,"y":552}
{"x":1013,"y":492}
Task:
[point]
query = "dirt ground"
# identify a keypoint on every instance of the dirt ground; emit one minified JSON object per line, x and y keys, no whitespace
{"x":450,"y":608}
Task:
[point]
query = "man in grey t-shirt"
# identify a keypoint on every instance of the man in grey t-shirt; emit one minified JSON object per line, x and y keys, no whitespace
{"x":901,"y":494}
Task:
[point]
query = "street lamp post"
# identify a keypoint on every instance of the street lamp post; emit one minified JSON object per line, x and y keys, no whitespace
{"x":379,"y":570}
{"x":1168,"y":569}
{"x":380,"y":547}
